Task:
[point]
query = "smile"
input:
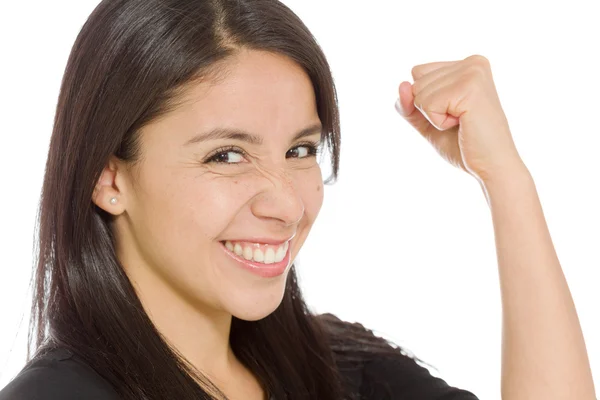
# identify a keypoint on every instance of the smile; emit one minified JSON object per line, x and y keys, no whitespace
{"x":264,"y":260}
{"x":258,"y":252}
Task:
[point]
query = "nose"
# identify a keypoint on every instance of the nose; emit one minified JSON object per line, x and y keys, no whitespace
{"x":280,"y":200}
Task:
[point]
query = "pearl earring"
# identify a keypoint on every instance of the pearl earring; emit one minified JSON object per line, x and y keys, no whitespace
{"x":113,"y":201}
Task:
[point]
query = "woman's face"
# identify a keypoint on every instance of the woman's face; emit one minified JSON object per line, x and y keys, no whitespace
{"x":202,"y":203}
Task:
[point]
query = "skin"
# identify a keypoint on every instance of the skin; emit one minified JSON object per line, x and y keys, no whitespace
{"x":174,"y":209}
{"x":455,"y":106}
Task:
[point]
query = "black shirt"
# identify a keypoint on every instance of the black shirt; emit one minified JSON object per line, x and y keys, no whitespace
{"x":62,"y":375}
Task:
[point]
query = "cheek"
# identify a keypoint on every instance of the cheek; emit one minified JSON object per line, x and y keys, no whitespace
{"x":185,"y":212}
{"x":213,"y":204}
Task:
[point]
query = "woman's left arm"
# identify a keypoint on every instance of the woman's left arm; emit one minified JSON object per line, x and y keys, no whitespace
{"x":543,"y":350}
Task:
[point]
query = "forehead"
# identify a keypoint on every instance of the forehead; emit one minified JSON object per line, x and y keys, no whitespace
{"x":254,"y":88}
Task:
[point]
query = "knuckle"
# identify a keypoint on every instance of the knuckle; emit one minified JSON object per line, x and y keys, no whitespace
{"x":478,"y":64}
{"x":417,"y":86}
{"x":478,"y":59}
{"x":415,"y":71}
{"x":477,"y":70}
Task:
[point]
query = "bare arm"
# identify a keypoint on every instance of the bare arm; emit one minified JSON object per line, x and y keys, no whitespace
{"x":459,"y":113}
{"x":543,"y":350}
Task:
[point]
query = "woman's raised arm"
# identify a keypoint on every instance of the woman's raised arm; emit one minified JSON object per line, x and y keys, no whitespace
{"x":455,"y":106}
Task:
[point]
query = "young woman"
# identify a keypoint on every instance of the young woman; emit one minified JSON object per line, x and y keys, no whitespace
{"x":180,"y":185}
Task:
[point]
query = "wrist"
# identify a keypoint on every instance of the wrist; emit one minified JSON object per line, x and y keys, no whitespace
{"x":512,"y":177}
{"x":508,"y":172}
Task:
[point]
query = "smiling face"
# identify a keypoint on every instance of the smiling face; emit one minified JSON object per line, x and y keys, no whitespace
{"x":225,"y":180}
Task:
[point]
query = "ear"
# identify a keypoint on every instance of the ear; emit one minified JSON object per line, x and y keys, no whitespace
{"x":108,"y":193}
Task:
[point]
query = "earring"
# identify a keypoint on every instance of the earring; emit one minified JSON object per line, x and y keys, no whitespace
{"x":113,"y":201}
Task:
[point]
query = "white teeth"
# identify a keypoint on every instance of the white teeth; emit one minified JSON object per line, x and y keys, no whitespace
{"x":270,"y":256}
{"x":280,"y":253}
{"x":258,"y":255}
{"x":238,"y":249}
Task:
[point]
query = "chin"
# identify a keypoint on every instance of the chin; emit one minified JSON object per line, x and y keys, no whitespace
{"x":256,"y":307}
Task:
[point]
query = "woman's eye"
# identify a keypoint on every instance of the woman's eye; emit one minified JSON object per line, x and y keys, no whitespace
{"x":303,"y":151}
{"x":227,"y":157}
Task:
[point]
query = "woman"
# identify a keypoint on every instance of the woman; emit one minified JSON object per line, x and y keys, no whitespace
{"x":181,"y":184}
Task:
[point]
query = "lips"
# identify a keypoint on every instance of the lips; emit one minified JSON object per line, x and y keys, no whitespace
{"x":251,"y":250}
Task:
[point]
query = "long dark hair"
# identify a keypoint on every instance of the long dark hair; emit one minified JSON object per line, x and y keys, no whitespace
{"x":128,"y":66}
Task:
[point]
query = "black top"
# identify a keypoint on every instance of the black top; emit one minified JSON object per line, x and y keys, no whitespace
{"x":62,"y":375}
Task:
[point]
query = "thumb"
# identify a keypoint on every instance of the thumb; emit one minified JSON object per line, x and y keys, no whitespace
{"x":405,"y":105}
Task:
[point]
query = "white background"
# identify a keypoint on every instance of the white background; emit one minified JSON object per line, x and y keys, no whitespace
{"x":404,"y":243}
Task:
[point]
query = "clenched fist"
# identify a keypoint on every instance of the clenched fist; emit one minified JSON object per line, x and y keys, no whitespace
{"x":455,"y":106}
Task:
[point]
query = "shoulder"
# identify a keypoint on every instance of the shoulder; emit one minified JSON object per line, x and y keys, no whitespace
{"x":57,"y":374}
{"x":381,"y":370}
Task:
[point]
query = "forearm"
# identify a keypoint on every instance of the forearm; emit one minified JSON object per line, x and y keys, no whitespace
{"x":543,"y":350}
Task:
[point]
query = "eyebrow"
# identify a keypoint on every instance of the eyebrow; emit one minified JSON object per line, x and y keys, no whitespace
{"x":238,"y":134}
